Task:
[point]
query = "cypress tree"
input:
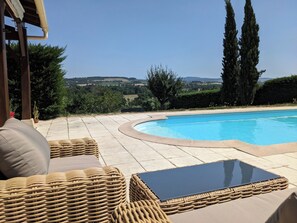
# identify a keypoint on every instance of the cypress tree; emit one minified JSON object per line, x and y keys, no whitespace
{"x":230,"y":63}
{"x":249,"y":56}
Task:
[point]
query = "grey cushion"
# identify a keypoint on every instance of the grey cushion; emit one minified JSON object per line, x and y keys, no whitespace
{"x":73,"y":163}
{"x":255,"y":209}
{"x":286,"y":212}
{"x":23,"y":150}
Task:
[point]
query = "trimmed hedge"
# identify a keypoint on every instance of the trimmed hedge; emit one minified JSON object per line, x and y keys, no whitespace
{"x":197,"y":100}
{"x":279,"y":90}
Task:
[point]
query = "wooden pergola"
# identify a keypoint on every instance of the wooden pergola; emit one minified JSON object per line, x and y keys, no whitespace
{"x":21,"y":11}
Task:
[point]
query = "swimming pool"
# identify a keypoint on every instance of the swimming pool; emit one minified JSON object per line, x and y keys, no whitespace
{"x":258,"y":128}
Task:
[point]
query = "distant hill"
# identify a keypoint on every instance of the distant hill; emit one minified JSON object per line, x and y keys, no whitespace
{"x":216,"y":80}
{"x":100,"y":80}
{"x":132,"y":80}
{"x":201,"y":79}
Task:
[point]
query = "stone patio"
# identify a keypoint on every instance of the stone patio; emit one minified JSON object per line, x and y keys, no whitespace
{"x":133,"y":156}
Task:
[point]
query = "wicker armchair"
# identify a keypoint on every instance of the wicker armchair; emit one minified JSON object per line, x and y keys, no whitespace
{"x":88,"y":195}
{"x":145,"y":211}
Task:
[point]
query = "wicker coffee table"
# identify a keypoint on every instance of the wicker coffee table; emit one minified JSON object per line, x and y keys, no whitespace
{"x":187,"y":188}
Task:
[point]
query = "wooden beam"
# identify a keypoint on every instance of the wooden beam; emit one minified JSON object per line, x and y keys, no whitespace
{"x":25,"y":75}
{"x":4,"y":95}
{"x":22,"y":38}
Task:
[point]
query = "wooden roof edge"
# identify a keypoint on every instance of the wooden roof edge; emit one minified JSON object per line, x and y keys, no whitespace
{"x":18,"y":13}
{"x":43,"y":21}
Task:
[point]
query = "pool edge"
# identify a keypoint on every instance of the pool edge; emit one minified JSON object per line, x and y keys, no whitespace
{"x":255,"y":150}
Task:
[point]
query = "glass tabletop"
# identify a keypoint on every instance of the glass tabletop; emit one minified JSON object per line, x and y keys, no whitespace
{"x":186,"y":181}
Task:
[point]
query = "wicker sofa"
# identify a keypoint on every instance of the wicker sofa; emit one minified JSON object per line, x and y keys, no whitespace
{"x":75,"y":189}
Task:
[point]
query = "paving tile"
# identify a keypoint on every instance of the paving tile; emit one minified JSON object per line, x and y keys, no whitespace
{"x":211,"y":157}
{"x":185,"y":161}
{"x":57,"y":136}
{"x":129,"y":141}
{"x":196,"y":151}
{"x":140,"y":147}
{"x":160,"y":146}
{"x":223,"y":150}
{"x":294,"y":155}
{"x":153,"y":165}
{"x":116,"y":150}
{"x":130,"y":168}
{"x":119,"y":158}
{"x":292,"y":185}
{"x":262,"y":163}
{"x":290,"y":174}
{"x":173,"y":152}
{"x":284,"y":160}
{"x":238,"y":155}
{"x":279,"y":158}
{"x":147,"y":155}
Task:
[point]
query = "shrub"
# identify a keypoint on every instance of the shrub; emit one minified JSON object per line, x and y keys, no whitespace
{"x":163,"y":83}
{"x":279,"y":90}
{"x":146,"y":101}
{"x":197,"y":100}
{"x":93,"y":99}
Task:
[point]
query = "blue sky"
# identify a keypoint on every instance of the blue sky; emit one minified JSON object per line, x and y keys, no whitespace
{"x":126,"y":37}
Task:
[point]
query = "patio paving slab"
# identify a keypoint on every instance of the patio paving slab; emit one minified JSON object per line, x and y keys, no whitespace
{"x":185,"y":161}
{"x":153,"y":165}
{"x":132,"y":155}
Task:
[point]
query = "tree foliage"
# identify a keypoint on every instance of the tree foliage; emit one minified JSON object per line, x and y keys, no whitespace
{"x":249,"y":56}
{"x":47,"y":83}
{"x":93,"y":99}
{"x":163,"y":83}
{"x":278,"y":90}
{"x":146,"y":101}
{"x":230,"y":59}
{"x":198,"y":99}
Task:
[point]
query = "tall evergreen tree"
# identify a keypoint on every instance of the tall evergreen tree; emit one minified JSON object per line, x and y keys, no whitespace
{"x":230,"y":59}
{"x":249,"y":56}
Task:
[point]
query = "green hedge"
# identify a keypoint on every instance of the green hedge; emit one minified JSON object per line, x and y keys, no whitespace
{"x":47,"y":82}
{"x":279,"y":90}
{"x":197,"y":100}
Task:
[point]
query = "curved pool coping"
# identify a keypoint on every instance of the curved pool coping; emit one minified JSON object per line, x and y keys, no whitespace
{"x":256,"y":150}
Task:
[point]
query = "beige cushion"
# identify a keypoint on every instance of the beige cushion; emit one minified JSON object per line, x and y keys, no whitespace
{"x":23,"y":150}
{"x":73,"y":163}
{"x":286,"y":212}
{"x":255,"y":209}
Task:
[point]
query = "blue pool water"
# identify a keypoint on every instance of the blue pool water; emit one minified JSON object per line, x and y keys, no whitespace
{"x":259,"y":128}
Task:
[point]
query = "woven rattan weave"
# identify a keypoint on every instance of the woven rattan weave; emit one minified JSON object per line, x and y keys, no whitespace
{"x":140,"y":191}
{"x":73,"y":147}
{"x":88,"y":195}
{"x":139,"y":212}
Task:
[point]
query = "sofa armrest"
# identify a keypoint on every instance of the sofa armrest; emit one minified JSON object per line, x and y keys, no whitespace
{"x":73,"y":147}
{"x":145,"y":211}
{"x":76,"y":196}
